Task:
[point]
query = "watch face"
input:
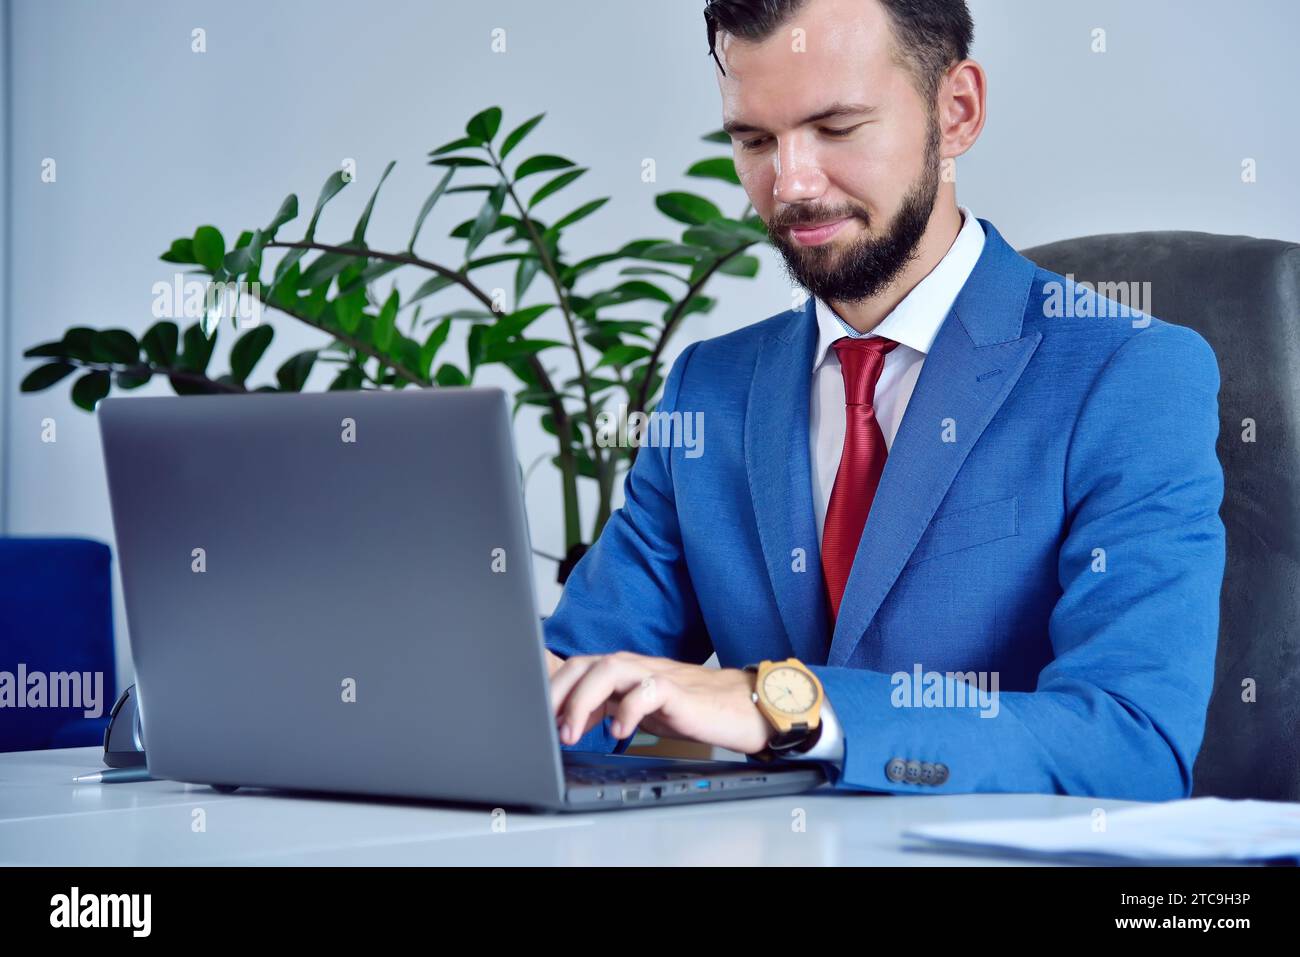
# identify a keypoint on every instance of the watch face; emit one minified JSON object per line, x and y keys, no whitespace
{"x":789,"y":690}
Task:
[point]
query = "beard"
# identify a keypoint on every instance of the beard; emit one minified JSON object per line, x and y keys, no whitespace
{"x":868,"y":264}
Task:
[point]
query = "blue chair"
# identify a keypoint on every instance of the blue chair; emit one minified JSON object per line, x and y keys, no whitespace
{"x":56,"y":618}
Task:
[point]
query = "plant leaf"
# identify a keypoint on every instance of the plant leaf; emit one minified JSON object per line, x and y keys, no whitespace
{"x":652,"y":271}
{"x":209,"y":247}
{"x":721,"y":167}
{"x":457,"y":161}
{"x":622,"y":355}
{"x":483,"y":126}
{"x":581,"y":213}
{"x":561,"y":181}
{"x":541,"y":164}
{"x":524,"y":275}
{"x":428,"y":206}
{"x":198,"y":350}
{"x":630,"y":291}
{"x":348,"y":380}
{"x":116,"y":345}
{"x":744,"y":266}
{"x":324,"y":268}
{"x":516,"y":137}
{"x":42,"y":377}
{"x":449,"y":375}
{"x":160,"y":343}
{"x":429,"y":287}
{"x":247,"y":352}
{"x":348,"y":309}
{"x":246,"y":256}
{"x":386,"y":324}
{"x":292,"y":376}
{"x":505,"y":351}
{"x":333,"y":184}
{"x":486,"y":218}
{"x":516,"y":322}
{"x":181,"y":251}
{"x":454,"y":145}
{"x":90,"y":388}
{"x":288,"y":210}
{"x":687,"y":208}
{"x":79,"y":343}
{"x":125,"y":380}
{"x":431,"y":346}
{"x":359,"y":234}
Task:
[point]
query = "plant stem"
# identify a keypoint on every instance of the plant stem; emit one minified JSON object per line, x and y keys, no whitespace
{"x":670,"y":324}
{"x":601,"y":463}
{"x":568,"y":463}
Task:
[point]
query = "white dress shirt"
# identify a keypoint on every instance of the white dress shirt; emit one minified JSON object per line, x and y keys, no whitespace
{"x":913,"y":324}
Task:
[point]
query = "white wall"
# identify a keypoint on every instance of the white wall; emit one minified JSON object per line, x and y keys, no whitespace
{"x":152,"y":139}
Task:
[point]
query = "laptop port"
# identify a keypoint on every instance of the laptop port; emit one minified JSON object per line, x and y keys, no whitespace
{"x":631,"y":794}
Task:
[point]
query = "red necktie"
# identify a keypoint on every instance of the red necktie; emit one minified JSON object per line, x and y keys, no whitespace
{"x":861,"y":462}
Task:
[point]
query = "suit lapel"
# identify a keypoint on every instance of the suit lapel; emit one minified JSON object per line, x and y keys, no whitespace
{"x":973,"y":364}
{"x":778,"y":465}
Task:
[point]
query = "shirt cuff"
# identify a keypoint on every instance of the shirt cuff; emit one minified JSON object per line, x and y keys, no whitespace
{"x":830,"y":746}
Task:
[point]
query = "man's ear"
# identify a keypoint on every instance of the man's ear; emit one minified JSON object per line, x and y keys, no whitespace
{"x":961,"y":107}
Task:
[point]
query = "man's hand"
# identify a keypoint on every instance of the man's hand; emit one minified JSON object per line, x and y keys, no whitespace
{"x":663,"y":696}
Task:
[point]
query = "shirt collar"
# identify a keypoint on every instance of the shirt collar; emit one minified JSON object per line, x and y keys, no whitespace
{"x":915,"y":321}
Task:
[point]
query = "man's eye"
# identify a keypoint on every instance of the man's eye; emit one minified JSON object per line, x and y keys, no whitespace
{"x":760,"y":142}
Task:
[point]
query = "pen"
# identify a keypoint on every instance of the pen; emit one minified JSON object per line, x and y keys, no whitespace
{"x":114,"y":776}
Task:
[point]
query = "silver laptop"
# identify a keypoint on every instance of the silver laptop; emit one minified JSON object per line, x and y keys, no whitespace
{"x":334,"y":592}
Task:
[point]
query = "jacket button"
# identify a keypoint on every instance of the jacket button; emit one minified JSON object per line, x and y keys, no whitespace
{"x":913,"y":772}
{"x":896,"y":769}
{"x":940,"y":774}
{"x":927,"y":772}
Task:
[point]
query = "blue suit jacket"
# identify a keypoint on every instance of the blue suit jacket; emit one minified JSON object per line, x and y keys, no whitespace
{"x":1048,"y":512}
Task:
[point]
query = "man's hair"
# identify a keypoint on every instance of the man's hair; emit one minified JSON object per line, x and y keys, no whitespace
{"x":929,"y":35}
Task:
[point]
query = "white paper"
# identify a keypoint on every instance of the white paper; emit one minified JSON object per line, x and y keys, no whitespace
{"x":1198,"y":829}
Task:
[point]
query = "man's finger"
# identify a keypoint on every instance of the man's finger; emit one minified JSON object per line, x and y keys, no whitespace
{"x":567,"y":676}
{"x":651,"y":694}
{"x":610,"y":676}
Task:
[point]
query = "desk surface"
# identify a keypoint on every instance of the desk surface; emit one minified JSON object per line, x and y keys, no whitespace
{"x":46,"y":819}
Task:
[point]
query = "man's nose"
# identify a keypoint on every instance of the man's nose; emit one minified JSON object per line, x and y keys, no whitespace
{"x":799,"y":175}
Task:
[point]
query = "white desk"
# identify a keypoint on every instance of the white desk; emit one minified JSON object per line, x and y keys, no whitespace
{"x":46,"y":819}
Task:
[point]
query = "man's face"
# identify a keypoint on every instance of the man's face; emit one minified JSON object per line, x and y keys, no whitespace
{"x":873,"y":173}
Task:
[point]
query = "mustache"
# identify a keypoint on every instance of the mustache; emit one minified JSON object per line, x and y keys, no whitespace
{"x":812,"y":218}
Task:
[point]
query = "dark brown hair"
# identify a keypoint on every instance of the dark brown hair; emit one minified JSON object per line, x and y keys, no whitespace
{"x":929,"y":35}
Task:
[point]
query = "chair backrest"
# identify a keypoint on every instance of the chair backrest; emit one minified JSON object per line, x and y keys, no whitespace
{"x":1243,"y":296}
{"x":56,"y":619}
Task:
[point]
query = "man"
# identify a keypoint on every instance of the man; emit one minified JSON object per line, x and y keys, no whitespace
{"x":928,"y":485}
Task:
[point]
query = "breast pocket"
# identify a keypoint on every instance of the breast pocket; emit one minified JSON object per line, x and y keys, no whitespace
{"x":956,"y":531}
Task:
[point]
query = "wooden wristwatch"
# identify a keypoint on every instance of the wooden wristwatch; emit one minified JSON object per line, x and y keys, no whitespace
{"x":790,"y":697}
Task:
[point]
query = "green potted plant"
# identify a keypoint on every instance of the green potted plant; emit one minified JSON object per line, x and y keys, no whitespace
{"x":382,"y":341}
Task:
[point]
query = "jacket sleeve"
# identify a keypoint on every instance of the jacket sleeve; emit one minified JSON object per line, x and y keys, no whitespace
{"x":631,"y":590}
{"x":1120,"y":711}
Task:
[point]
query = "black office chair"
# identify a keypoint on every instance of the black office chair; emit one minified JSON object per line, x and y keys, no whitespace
{"x":1242,"y":295}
